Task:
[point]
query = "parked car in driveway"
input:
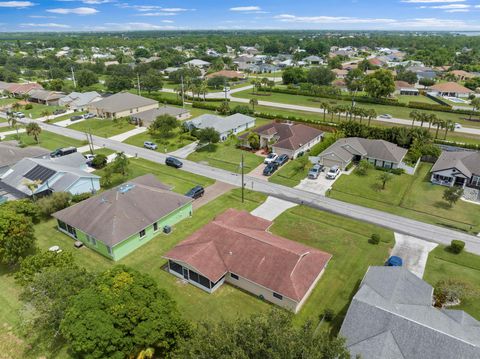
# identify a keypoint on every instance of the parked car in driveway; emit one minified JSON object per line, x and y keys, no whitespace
{"x":60,"y":152}
{"x":89,"y":157}
{"x":88,"y":115}
{"x":315,"y":171}
{"x":59,"y":111}
{"x":386,"y":116}
{"x":281,"y":160}
{"x":19,"y":114}
{"x":394,"y":261}
{"x":150,"y":145}
{"x":173,"y":162}
{"x":333,"y":172}
{"x":458,"y":126}
{"x":270,"y":158}
{"x":196,"y":192}
{"x":270,"y":169}
{"x":76,"y":118}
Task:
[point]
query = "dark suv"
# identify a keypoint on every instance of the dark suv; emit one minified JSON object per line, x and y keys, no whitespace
{"x":173,"y":162}
{"x":281,"y":160}
{"x":270,"y":169}
{"x":196,"y":192}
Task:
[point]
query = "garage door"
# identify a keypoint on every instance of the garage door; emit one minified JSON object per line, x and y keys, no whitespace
{"x":331,"y":163}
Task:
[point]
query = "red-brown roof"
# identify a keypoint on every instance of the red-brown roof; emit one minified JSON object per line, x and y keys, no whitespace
{"x":237,"y":242}
{"x":226,"y":73}
{"x":450,"y":87}
{"x":23,"y":88}
{"x":403,"y":85}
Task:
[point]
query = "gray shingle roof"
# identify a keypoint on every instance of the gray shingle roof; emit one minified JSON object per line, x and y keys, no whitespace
{"x":467,"y":162}
{"x":11,"y":154}
{"x":346,"y":148}
{"x":79,"y":99}
{"x":121,"y":102}
{"x":112,"y":216}
{"x":220,"y":124}
{"x":150,"y":115}
{"x":392,"y":316}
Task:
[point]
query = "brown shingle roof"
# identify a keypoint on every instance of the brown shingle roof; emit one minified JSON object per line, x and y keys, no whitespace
{"x":113,"y":216}
{"x":403,"y":85}
{"x":450,"y":87}
{"x":226,"y":73}
{"x":237,"y":242}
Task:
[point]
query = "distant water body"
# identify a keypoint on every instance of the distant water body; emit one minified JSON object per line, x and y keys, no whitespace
{"x":467,"y":33}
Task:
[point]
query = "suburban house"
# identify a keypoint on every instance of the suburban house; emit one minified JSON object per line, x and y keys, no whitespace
{"x":450,"y":89}
{"x":340,"y":73}
{"x":313,"y":60}
{"x":225,"y":126}
{"x":79,"y":101}
{"x":45,"y":97}
{"x":391,"y":316}
{"x":286,"y":138}
{"x":237,"y":248}
{"x":11,"y":153}
{"x":43,"y":176}
{"x":147,"y":117}
{"x":4,"y":87}
{"x":462,"y":75}
{"x":460,"y":168}
{"x":229,"y":74}
{"x":122,"y":104}
{"x":19,"y":90}
{"x":122,"y":219}
{"x":380,"y":153}
{"x":197,"y":63}
{"x":404,"y":88}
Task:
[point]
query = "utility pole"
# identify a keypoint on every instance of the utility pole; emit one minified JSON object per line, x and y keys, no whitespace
{"x":138,"y":83}
{"x":243,"y":182}
{"x":183,"y":93}
{"x":73,"y":78}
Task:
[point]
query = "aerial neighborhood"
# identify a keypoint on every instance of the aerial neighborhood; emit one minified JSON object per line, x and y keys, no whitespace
{"x":179,"y":194}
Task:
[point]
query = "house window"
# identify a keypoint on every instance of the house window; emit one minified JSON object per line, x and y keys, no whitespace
{"x":155,"y":226}
{"x":72,"y":231}
{"x":142,"y":233}
{"x":177,"y":268}
{"x":278,"y":296}
{"x":476,"y":181}
{"x":234,"y":276}
{"x":62,"y":225}
{"x":94,"y":241}
{"x":109,"y":249}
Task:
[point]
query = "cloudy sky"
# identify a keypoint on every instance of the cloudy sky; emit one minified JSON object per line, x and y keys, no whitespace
{"x":120,"y":15}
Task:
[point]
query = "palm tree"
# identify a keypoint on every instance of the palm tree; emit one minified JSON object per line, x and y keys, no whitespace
{"x":253,"y":102}
{"x":449,"y":126}
{"x":255,"y":84}
{"x":439,"y":123}
{"x":33,"y":129}
{"x":204,"y":89}
{"x":12,"y":121}
{"x":45,"y":113}
{"x":371,"y":115}
{"x":431,"y":120}
{"x":333,"y":111}
{"x":414,"y":115}
{"x":265,"y":82}
{"x":146,"y":353}
{"x":32,"y":186}
{"x":16,"y":106}
{"x":385,"y":177}
{"x":325,"y":106}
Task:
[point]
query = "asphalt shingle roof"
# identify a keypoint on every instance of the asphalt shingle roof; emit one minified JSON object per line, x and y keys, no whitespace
{"x":220,"y":124}
{"x":122,"y":101}
{"x":467,"y":162}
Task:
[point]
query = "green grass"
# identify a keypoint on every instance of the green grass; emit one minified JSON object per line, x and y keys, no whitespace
{"x":409,"y":196}
{"x":347,"y":241}
{"x":66,"y":117}
{"x":103,"y":128}
{"x":465,"y":266}
{"x":48,"y":140}
{"x":179,"y":180}
{"x":395,"y":111}
{"x":406,"y":99}
{"x":37,"y":110}
{"x":227,"y":156}
{"x":164,"y":144}
{"x":291,"y":174}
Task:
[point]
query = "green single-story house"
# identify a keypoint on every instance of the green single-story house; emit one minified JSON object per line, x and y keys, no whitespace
{"x":122,"y":219}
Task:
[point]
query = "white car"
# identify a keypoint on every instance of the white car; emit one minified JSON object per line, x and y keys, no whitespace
{"x":88,"y":115}
{"x":270,"y":158}
{"x":386,"y":115}
{"x":458,"y":126}
{"x":333,"y":172}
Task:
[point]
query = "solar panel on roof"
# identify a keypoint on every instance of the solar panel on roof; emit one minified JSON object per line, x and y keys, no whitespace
{"x":39,"y":173}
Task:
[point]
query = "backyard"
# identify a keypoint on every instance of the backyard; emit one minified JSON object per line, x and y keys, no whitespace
{"x":409,"y":196}
{"x":103,"y":128}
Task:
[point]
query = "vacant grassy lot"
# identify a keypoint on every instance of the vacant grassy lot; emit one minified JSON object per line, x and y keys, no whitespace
{"x":47,"y":140}
{"x":409,"y":196}
{"x":179,"y":180}
{"x":103,"y":128}
{"x":38,"y":109}
{"x":227,"y":156}
{"x":443,"y":264}
{"x":395,"y":111}
{"x":170,"y":144}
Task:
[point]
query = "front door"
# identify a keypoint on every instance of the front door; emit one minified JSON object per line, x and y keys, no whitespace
{"x":185,"y":273}
{"x":459,"y":181}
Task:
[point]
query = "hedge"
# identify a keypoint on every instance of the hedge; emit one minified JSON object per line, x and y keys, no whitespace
{"x":456,"y":246}
{"x":470,"y":146}
{"x":429,"y":106}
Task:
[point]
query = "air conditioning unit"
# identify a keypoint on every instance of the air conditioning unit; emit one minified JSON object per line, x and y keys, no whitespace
{"x":167,"y":229}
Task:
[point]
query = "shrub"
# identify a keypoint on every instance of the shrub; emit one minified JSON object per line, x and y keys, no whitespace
{"x":452,"y":290}
{"x":25,"y":207}
{"x":374,"y":238}
{"x":363,"y":167}
{"x":28,"y":106}
{"x":99,"y":161}
{"x":456,"y":246}
{"x":53,"y":203}
{"x":328,"y":314}
{"x":81,"y":197}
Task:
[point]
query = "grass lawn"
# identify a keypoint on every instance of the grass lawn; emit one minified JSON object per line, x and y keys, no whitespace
{"x":37,"y":110}
{"x":409,"y":196}
{"x":164,"y":145}
{"x":66,"y":117}
{"x":406,"y":99}
{"x":7,"y":101}
{"x":227,"y":156}
{"x":465,"y":266}
{"x":48,"y":140}
{"x":347,"y":241}
{"x":103,"y":128}
{"x":395,"y":111}
{"x":179,"y":180}
{"x":290,"y":174}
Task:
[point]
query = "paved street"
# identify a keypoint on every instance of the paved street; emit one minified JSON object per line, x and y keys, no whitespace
{"x":396,"y":223}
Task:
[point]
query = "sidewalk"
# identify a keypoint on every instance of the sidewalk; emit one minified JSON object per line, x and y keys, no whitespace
{"x":13,"y":132}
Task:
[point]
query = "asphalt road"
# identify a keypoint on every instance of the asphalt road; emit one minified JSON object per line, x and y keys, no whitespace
{"x":396,"y":223}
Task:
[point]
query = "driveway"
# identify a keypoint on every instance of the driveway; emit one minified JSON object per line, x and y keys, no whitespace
{"x":257,"y":172}
{"x":413,"y":251}
{"x":212,"y":192}
{"x":319,"y":186}
{"x":272,"y":208}
{"x":185,"y":151}
{"x":123,"y":136}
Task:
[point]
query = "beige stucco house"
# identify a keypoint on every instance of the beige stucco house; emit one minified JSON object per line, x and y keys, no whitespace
{"x":123,"y":104}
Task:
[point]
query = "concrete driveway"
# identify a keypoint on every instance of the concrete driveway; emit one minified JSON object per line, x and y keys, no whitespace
{"x":413,"y":251}
{"x":272,"y":208}
{"x":212,"y":192}
{"x":257,"y":172}
{"x":185,"y":151}
{"x":319,"y":186}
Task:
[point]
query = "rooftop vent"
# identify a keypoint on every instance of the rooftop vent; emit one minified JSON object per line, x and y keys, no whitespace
{"x":125,"y":188}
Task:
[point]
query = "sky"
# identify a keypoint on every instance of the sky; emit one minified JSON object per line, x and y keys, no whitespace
{"x":124,"y":15}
